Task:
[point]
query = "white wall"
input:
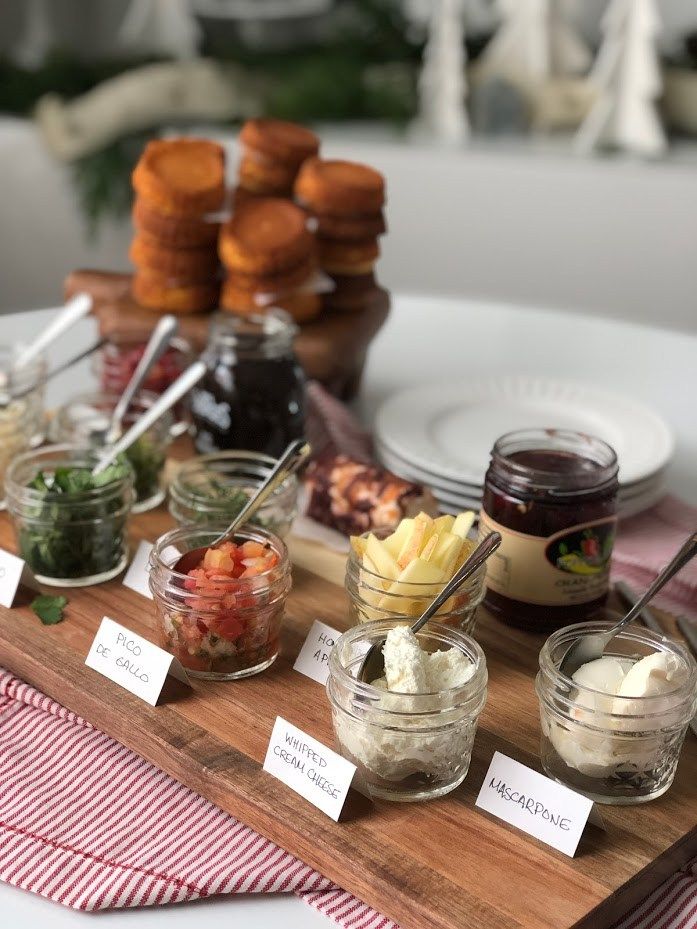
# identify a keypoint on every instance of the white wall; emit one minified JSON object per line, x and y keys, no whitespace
{"x":607,"y":236}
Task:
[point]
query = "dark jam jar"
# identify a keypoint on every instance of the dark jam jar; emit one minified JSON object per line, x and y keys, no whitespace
{"x":253,"y":394}
{"x":552,"y":495}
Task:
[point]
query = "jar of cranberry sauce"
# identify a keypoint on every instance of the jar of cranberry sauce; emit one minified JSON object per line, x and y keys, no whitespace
{"x":552,"y":495}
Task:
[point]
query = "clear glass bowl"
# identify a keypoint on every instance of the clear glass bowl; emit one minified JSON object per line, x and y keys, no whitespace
{"x":407,"y":747}
{"x":22,"y":421}
{"x":84,"y":420}
{"x":115,"y":363}
{"x":212,"y":489}
{"x":69,"y":539}
{"x":231,"y":631}
{"x":369,"y":599}
{"x":616,"y":750}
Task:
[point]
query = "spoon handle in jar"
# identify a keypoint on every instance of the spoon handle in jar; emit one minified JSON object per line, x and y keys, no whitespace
{"x":687,"y":551}
{"x":172,"y":395}
{"x":74,"y":310}
{"x":157,"y":343}
{"x":295,"y":454}
{"x":473,"y":563}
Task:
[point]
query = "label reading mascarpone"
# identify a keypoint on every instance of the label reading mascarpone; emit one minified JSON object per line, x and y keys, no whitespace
{"x":572,"y":566}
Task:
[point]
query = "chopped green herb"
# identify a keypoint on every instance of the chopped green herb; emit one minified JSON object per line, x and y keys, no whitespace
{"x":147,"y":461}
{"x":49,"y":609}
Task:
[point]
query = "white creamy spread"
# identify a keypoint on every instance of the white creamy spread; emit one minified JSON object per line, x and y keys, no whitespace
{"x":395,"y":748}
{"x":597,"y":746}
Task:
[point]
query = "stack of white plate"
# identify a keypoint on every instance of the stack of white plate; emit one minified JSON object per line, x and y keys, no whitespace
{"x":441,"y":435}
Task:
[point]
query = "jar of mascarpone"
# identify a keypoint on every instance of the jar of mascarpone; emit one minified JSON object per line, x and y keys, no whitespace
{"x":411,"y":733}
{"x":614,"y":730}
{"x":552,"y":494}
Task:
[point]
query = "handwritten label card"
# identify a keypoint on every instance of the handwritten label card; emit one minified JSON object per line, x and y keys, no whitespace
{"x":313,"y":660}
{"x":131,"y":661}
{"x":138,"y":572}
{"x":13,"y":572}
{"x":309,"y":768}
{"x":534,"y":803}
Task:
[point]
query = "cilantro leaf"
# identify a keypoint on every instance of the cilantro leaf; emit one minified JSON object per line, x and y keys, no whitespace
{"x":49,"y":609}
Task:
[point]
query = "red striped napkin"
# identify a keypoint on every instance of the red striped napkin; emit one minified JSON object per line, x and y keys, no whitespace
{"x":88,"y":823}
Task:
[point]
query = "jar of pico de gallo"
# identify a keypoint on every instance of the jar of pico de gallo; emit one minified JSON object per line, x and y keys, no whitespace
{"x":222,"y":619}
{"x":552,"y":495}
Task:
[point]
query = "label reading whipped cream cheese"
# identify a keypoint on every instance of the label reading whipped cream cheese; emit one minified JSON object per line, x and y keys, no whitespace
{"x":572,"y":566}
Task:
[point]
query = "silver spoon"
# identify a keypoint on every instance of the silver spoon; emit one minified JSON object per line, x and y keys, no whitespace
{"x":373,"y":665}
{"x":7,"y":398}
{"x":157,"y":343}
{"x":588,"y":648}
{"x":289,"y":462}
{"x":183,"y":384}
{"x":75,"y":309}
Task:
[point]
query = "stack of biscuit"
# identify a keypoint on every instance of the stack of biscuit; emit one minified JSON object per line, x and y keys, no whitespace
{"x":272,"y":153}
{"x":177,"y":183}
{"x":269,"y":259}
{"x":346,"y":201}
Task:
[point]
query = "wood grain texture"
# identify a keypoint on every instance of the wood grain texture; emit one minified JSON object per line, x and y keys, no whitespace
{"x":441,"y":864}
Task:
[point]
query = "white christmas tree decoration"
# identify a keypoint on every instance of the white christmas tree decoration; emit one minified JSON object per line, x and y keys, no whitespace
{"x":35,"y":40}
{"x":159,"y":27}
{"x":442,"y":81}
{"x":627,"y":74}
{"x":535,"y":42}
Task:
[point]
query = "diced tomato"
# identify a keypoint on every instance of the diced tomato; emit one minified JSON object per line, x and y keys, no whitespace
{"x":252,"y":549}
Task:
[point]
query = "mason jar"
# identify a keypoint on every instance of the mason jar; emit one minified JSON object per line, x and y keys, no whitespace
{"x":116,"y":362}
{"x":373,"y":596}
{"x":69,"y":538}
{"x":230,"y":630}
{"x":212,"y":489}
{"x":21,"y":419}
{"x":613,"y":749}
{"x":405,"y":746}
{"x":85,"y":420}
{"x":253,"y":396}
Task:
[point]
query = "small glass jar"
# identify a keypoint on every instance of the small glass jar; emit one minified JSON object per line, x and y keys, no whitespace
{"x":371,"y":598}
{"x":231,"y":632}
{"x":616,"y":750}
{"x":69,"y":539}
{"x":115,"y":364}
{"x":253,"y":395}
{"x":551,"y":493}
{"x":212,"y":489}
{"x":406,"y":746}
{"x":85,"y":419}
{"x":22,"y":422}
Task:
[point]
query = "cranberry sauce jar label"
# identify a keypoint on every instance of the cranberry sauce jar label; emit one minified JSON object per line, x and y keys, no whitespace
{"x":572,"y":566}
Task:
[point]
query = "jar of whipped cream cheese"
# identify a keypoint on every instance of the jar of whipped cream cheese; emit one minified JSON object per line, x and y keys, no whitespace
{"x":551,"y":493}
{"x":614,"y":730}
{"x":410,"y":733}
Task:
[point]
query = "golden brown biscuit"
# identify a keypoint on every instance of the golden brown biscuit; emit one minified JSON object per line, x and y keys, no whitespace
{"x":302,"y":307}
{"x":340,"y":188}
{"x":350,"y":228}
{"x":278,"y":283}
{"x":173,"y":231}
{"x":190,"y":264}
{"x":181,"y":176}
{"x":160,"y":292}
{"x":265,"y":236}
{"x":269,"y":176}
{"x":286,"y":142}
{"x":332,"y":252}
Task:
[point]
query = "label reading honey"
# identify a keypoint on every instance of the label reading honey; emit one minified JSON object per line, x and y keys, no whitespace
{"x":572,"y":566}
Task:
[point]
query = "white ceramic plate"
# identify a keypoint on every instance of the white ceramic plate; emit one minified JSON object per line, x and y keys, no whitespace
{"x":448,"y":429}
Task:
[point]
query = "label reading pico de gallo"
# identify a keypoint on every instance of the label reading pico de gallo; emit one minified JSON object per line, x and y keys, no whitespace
{"x":572,"y":566}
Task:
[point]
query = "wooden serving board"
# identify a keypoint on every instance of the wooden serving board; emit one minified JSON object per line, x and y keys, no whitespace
{"x":436,"y":865}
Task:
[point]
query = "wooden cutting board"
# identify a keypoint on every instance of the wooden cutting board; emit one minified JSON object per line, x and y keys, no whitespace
{"x":436,"y":865}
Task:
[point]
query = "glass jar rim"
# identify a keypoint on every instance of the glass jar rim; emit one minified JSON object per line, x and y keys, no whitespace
{"x":247,"y":332}
{"x":555,"y":439}
{"x":62,"y":455}
{"x":143,"y":400}
{"x":201,"y":463}
{"x":247,"y":533}
{"x":630,"y":633}
{"x":454,"y":638}
{"x":24,"y":378}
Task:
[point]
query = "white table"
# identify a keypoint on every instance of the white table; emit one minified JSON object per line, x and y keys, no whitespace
{"x":426,"y":339}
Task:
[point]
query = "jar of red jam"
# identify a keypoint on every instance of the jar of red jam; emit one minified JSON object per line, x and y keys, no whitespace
{"x":552,"y":494}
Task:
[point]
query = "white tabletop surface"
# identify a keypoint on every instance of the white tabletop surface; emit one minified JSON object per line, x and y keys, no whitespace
{"x":426,"y":339}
